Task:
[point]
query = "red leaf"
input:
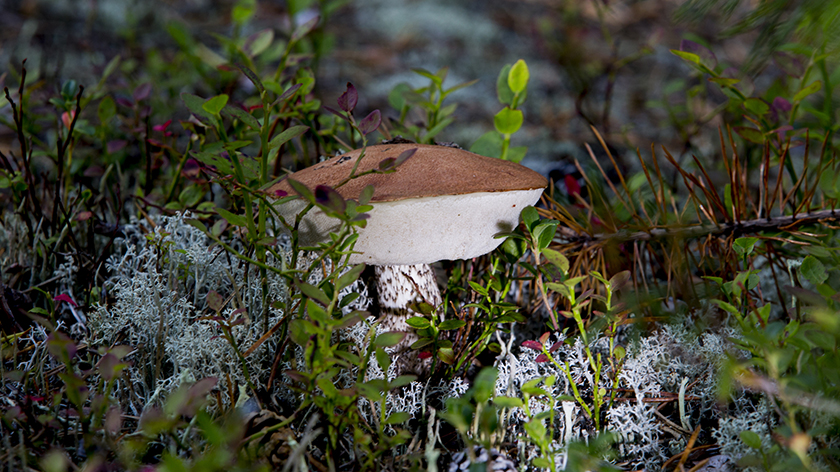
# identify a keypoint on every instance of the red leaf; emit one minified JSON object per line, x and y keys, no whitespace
{"x":424,"y":354}
{"x":541,"y":358}
{"x":347,"y":101}
{"x":572,"y":185}
{"x":65,"y":298}
{"x":535,"y":345}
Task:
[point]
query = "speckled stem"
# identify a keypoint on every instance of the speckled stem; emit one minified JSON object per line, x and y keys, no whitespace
{"x":398,"y":286}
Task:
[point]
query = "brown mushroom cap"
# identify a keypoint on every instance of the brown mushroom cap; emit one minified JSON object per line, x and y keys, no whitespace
{"x":442,"y":203}
{"x":431,"y":172}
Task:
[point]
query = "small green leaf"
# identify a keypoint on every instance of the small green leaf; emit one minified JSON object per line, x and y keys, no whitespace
{"x":530,"y":217}
{"x":242,"y":115}
{"x":254,"y":78}
{"x":557,"y":259}
{"x":304,"y":29}
{"x":312,"y":292}
{"x":449,"y":325}
{"x":507,"y":402}
{"x":756,"y":106}
{"x":503,"y":91}
{"x":391,"y":338}
{"x":744,"y":246}
{"x":446,"y":355}
{"x":215,"y":105}
{"x":190,"y":196}
{"x":508,"y":121}
{"x":489,"y":144}
{"x":518,"y":76}
{"x":750,"y":134}
{"x":366,"y":195}
{"x":688,"y":56}
{"x":516,"y":154}
{"x":236,"y":220}
{"x":484,"y":385}
{"x":418,"y":322}
{"x":195,"y":105}
{"x":397,"y":418}
{"x":811,"y":89}
{"x":350,"y":276}
{"x":401,"y":381}
{"x":286,"y":135}
{"x":727,"y":199}
{"x":383,"y":359}
{"x":724,"y":81}
{"x":751,"y":439}
{"x":259,"y":42}
{"x":107,"y":109}
{"x":813,"y":270}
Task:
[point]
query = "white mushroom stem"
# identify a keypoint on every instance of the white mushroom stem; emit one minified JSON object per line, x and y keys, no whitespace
{"x":398,"y":287}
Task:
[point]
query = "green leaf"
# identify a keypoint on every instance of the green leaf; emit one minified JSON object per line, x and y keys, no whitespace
{"x":302,"y":190}
{"x":484,"y":385}
{"x":107,"y":109}
{"x":478,"y":288}
{"x":432,"y":132}
{"x":811,"y":89}
{"x":813,"y":270}
{"x":418,"y":322}
{"x":756,"y":106}
{"x":391,"y":338}
{"x":536,"y":430}
{"x":750,"y":134}
{"x":821,"y":339}
{"x":508,"y":121}
{"x":397,"y":418}
{"x":401,"y":381}
{"x":751,"y":439}
{"x":350,"y":276}
{"x":541,"y":462}
{"x":196,"y":224}
{"x":516,"y":154}
{"x":253,"y":77}
{"x":304,"y":29}
{"x":688,"y":56}
{"x":518,"y":76}
{"x":383,"y":359}
{"x":724,"y":81}
{"x":727,"y":199}
{"x":316,"y":312}
{"x":489,"y":144}
{"x":366,"y":195}
{"x":190,"y":196}
{"x":530,"y":217}
{"x":544,"y":233}
{"x":556,"y":258}
{"x":452,"y":324}
{"x":312,"y":292}
{"x":195,"y":105}
{"x":503,"y":91}
{"x":446,"y":355}
{"x":507,"y":402}
{"x":259,"y":42}
{"x":236,"y":220}
{"x":214,"y":105}
{"x":286,"y":135}
{"x":243,"y":11}
{"x":242,"y":115}
{"x":725,"y":306}
{"x":744,"y":246}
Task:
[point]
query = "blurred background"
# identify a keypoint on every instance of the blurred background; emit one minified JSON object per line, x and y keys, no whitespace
{"x":593,"y":63}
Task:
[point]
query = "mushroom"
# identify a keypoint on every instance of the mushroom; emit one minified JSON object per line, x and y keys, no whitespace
{"x":441,"y":203}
